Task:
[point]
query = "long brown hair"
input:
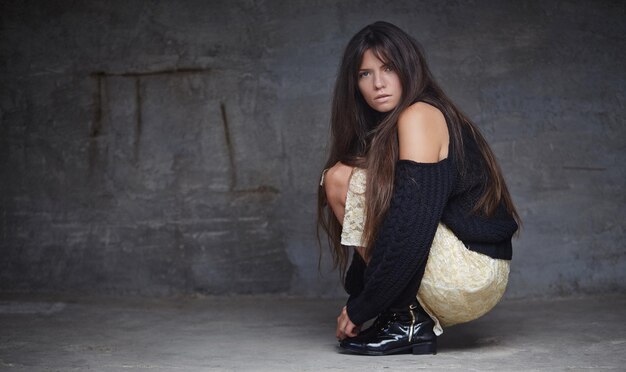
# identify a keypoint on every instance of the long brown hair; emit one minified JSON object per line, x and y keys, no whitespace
{"x":363,"y":137}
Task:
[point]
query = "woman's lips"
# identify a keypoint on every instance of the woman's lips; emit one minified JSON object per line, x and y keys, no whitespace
{"x":382,"y":98}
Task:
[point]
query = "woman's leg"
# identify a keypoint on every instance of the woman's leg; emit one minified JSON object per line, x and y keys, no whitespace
{"x":336,"y":182}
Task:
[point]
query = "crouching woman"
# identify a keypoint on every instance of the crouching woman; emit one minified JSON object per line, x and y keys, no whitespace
{"x":412,"y":191}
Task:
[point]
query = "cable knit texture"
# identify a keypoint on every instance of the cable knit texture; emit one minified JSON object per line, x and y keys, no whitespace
{"x":424,"y":195}
{"x":402,"y":245}
{"x":354,"y":275}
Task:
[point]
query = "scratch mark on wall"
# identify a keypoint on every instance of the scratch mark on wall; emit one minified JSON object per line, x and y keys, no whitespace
{"x":229,"y":146}
{"x":138,"y":118}
{"x":175,"y":71}
{"x":96,"y":126}
{"x":572,"y":167}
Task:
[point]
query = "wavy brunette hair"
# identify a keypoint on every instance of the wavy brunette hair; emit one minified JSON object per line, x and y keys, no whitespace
{"x":366,"y":138}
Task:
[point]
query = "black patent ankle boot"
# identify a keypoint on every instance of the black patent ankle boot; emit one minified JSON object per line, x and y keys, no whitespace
{"x":405,"y":331}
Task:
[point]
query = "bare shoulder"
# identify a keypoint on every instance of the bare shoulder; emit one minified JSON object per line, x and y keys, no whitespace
{"x":422,"y":133}
{"x":422,"y":114}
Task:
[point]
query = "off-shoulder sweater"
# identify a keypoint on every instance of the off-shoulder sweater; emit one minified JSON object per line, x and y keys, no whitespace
{"x":425,"y":194}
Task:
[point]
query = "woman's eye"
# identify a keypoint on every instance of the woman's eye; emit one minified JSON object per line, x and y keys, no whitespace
{"x":388,"y":68}
{"x":363,"y":74}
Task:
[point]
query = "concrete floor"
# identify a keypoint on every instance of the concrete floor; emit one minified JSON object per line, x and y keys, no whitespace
{"x":286,"y":334}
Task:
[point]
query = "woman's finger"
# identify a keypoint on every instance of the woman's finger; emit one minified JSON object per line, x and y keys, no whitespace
{"x":351,"y":330}
{"x":340,"y":326}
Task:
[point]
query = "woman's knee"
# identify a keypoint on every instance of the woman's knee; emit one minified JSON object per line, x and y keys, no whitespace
{"x":336,"y":183}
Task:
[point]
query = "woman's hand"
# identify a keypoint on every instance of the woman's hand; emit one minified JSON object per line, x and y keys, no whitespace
{"x":345,"y":327}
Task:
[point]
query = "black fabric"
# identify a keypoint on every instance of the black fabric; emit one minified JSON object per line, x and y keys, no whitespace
{"x":355,"y":275}
{"x":401,"y":248}
{"x":487,"y":235}
{"x":424,"y":194}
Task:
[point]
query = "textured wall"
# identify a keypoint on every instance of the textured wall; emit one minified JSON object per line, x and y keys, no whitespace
{"x":166,"y":147}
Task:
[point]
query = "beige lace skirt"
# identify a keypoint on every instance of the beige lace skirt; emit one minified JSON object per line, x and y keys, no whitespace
{"x":459,"y":285}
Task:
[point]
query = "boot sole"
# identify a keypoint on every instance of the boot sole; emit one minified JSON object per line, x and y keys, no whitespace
{"x":423,"y":348}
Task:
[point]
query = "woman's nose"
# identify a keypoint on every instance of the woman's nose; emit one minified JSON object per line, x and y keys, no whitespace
{"x":378,"y":82}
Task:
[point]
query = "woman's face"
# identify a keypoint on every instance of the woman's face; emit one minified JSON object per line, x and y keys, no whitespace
{"x":378,"y":83}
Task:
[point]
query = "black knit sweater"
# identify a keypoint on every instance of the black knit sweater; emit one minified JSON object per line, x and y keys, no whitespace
{"x":424,"y":194}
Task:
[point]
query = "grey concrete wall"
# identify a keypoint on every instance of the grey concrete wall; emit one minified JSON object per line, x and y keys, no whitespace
{"x":175,"y":146}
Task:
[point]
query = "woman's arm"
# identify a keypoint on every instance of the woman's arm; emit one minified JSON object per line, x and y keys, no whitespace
{"x":354,"y":280}
{"x":354,"y":285}
{"x":421,"y":188}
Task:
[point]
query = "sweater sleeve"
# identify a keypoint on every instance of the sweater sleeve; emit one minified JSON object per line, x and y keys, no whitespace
{"x":354,"y":276}
{"x":403,"y":242}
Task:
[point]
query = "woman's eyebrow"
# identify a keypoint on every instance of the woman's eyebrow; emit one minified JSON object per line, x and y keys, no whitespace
{"x":372,"y":68}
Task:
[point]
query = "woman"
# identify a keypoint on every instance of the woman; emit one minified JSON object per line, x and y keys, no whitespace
{"x":413,"y":187}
